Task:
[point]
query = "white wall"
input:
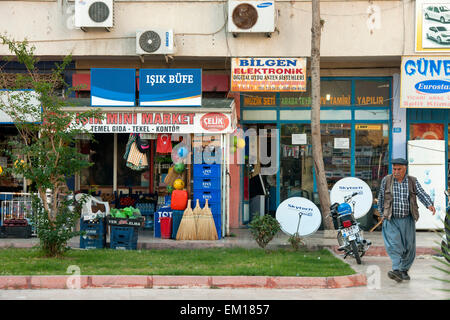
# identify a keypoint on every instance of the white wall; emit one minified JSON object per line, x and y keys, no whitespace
{"x":200,"y":28}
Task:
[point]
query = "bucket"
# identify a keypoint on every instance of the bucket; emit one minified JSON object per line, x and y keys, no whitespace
{"x":166,"y":227}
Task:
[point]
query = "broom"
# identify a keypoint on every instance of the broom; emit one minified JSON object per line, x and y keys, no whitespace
{"x":197,"y":215}
{"x":206,"y":228}
{"x":187,"y":229}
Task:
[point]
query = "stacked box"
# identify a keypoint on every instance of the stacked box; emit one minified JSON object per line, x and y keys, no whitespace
{"x":207,"y":186}
{"x":124,"y":238}
{"x":93,"y":234}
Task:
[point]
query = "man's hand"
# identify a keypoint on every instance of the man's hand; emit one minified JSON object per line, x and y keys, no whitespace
{"x":432,"y":209}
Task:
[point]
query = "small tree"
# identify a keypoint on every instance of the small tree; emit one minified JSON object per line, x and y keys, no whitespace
{"x":47,"y":153}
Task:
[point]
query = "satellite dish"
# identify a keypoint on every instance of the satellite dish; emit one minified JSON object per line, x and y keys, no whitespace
{"x":298,"y":215}
{"x":245,"y":16}
{"x":361,"y":203}
{"x":150,"y":41}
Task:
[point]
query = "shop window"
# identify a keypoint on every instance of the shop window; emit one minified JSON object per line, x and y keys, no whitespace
{"x":336,"y":142}
{"x":370,"y":93}
{"x":296,"y":170}
{"x":371,"y":153}
{"x":8,"y":182}
{"x":126,"y":177}
{"x":100,"y":153}
{"x":427,"y":131}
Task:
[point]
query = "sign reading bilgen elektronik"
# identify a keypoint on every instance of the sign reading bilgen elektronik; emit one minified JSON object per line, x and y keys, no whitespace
{"x":170,"y":87}
{"x":112,"y":87}
{"x":268,"y":74}
{"x":425,"y":82}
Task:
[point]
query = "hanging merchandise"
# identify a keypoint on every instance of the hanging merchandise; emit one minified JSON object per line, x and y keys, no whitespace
{"x":172,"y":176}
{"x":187,"y":228}
{"x":164,"y":143}
{"x":143,"y":146}
{"x":179,"y":200}
{"x":136,"y":160}
{"x":179,"y":153}
{"x":178,"y":184}
{"x":179,"y":167}
{"x":169,"y":189}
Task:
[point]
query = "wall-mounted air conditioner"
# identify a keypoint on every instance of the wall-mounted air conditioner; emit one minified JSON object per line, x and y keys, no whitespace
{"x":251,"y":16}
{"x":154,"y":42}
{"x":94,"y":13}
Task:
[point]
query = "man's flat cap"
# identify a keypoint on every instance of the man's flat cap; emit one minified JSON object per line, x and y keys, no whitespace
{"x":399,"y":161}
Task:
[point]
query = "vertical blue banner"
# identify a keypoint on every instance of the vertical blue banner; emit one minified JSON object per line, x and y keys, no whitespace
{"x":170,"y":87}
{"x":113,"y":87}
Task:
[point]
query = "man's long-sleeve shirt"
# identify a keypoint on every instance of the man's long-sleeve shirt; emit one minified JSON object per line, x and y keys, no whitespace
{"x":400,"y":201}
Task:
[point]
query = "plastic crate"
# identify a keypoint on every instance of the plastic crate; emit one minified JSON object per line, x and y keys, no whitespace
{"x":207,"y":184}
{"x":120,"y":245}
{"x":177,"y":215}
{"x":218,"y":223}
{"x":123,"y":234}
{"x":207,"y":170}
{"x":93,"y":226}
{"x":202,"y":195}
{"x":92,"y":243}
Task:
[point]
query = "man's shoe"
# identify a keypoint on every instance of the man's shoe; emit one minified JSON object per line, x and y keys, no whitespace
{"x":405,"y":275}
{"x":395,"y":275}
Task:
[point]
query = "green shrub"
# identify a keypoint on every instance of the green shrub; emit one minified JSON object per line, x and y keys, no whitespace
{"x":263,"y":229}
{"x":54,"y":234}
{"x":296,"y":241}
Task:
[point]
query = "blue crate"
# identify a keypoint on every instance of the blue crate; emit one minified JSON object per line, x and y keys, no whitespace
{"x":218,"y":223}
{"x":216,"y":207}
{"x":177,"y":215}
{"x":207,"y":170}
{"x":93,"y":242}
{"x":98,"y":227}
{"x":207,"y":184}
{"x":202,"y":195}
{"x":123,"y":234}
{"x":123,"y":245}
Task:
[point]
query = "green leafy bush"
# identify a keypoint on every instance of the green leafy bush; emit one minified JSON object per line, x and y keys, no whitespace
{"x":264,"y":229}
{"x":296,"y":241}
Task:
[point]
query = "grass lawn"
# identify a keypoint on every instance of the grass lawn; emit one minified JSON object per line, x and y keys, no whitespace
{"x":216,"y":261}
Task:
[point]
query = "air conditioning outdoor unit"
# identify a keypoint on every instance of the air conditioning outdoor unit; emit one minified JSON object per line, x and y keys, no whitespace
{"x":251,"y":17}
{"x":154,"y":42}
{"x":94,"y":13}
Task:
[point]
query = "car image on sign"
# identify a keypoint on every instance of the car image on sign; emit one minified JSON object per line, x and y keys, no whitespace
{"x":439,"y":34}
{"x":440,"y":13}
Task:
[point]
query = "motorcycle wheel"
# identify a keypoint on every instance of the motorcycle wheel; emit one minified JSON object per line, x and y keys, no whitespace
{"x":355,"y":251}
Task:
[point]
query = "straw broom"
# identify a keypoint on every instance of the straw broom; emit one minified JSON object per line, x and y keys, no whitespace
{"x":197,"y":214}
{"x":206,"y":228}
{"x":187,"y":229}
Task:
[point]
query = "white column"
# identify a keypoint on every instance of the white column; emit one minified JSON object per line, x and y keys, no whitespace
{"x":399,"y":124}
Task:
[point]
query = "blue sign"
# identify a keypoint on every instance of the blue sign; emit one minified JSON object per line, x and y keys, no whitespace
{"x":113,"y":87}
{"x":161,"y":212}
{"x":170,"y":87}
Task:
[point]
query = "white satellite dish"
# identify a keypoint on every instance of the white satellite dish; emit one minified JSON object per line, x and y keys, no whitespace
{"x":298,"y":215}
{"x":361,"y":202}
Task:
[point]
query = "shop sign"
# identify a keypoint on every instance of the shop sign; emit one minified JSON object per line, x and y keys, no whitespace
{"x":432,"y":33}
{"x":370,"y":127}
{"x":425,"y":82}
{"x":260,"y":101}
{"x":268,"y":74}
{"x":170,"y":87}
{"x":159,"y":122}
{"x":113,"y":87}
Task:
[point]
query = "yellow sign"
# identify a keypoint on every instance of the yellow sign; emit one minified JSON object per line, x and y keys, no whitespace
{"x":368,"y":127}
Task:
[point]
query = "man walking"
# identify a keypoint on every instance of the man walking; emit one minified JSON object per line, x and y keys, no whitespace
{"x":397,"y":203}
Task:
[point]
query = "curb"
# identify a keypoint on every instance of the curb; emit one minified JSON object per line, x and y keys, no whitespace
{"x":149,"y":282}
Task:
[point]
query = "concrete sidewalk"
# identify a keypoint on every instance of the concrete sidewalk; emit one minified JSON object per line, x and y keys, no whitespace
{"x":427,"y":244}
{"x":427,"y":241}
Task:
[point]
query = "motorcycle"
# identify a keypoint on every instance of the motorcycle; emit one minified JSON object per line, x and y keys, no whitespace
{"x":349,"y":237}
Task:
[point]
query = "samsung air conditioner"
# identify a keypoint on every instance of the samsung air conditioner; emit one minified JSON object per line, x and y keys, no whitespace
{"x":251,"y":17}
{"x":154,"y":42}
{"x":94,"y":14}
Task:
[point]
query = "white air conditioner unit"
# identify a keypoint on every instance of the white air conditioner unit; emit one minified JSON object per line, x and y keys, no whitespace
{"x":251,"y":16}
{"x":154,"y":42}
{"x":94,"y":13}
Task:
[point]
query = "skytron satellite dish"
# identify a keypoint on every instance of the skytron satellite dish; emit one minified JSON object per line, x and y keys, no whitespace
{"x":300,"y":215}
{"x":360,"y":203}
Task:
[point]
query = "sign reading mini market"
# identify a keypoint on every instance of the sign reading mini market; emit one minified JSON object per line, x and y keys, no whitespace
{"x":159,"y":122}
{"x":170,"y":87}
{"x":268,"y":74}
{"x":425,"y":82}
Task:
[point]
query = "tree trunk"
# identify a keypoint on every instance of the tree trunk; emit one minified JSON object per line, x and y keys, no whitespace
{"x":322,"y":185}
